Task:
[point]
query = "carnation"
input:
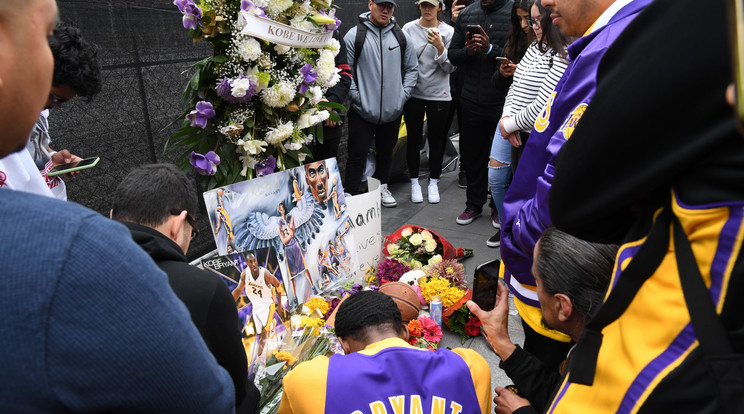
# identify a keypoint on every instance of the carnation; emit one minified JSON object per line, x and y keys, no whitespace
{"x":279,"y":133}
{"x":317,"y":95}
{"x":279,"y":95}
{"x":276,"y":7}
{"x":243,"y":87}
{"x":281,"y":49}
{"x":326,"y":66}
{"x":249,"y":49}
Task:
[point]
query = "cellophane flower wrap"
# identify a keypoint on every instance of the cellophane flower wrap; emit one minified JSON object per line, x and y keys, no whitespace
{"x":255,"y":103}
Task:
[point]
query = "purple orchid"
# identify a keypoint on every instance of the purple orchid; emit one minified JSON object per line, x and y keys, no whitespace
{"x":309,"y":76}
{"x":191,"y":13}
{"x":198,"y":117}
{"x":266,"y":167}
{"x":205,"y":164}
{"x":248,"y":6}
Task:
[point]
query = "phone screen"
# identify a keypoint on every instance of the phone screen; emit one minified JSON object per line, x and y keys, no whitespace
{"x":485,"y":284}
{"x":473,"y":29}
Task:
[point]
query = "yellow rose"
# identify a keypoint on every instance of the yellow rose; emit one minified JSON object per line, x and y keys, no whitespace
{"x":426,"y":234}
{"x":392,"y":248}
{"x":435,"y":259}
{"x":406,"y":232}
{"x":431,"y":245}
{"x":416,"y":239}
{"x":415,"y":264}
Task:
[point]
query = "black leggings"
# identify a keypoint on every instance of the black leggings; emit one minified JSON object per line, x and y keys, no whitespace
{"x":436,"y":118}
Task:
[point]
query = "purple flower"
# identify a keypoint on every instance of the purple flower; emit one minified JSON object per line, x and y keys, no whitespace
{"x":391,"y":270}
{"x":225,"y":89}
{"x":266,"y":167}
{"x":205,"y":164}
{"x":248,"y":6}
{"x":198,"y":117}
{"x":309,"y":76}
{"x":191,"y":13}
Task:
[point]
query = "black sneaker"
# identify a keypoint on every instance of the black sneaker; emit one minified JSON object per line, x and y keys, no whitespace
{"x":462,"y":180}
{"x":495,"y":240}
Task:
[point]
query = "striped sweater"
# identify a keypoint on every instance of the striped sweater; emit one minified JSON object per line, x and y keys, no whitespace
{"x":534,"y":81}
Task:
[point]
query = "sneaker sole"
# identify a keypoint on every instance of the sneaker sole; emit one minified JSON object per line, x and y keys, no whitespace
{"x":493,"y":244}
{"x":391,"y":205}
{"x":495,"y":224}
{"x":433,"y":201}
{"x":462,"y":186}
{"x":468,"y":221}
{"x":417,"y":201}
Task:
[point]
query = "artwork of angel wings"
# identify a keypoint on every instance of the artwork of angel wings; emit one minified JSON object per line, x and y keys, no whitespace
{"x":261,"y":230}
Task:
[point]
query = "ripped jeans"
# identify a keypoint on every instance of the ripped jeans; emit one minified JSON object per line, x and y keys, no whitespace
{"x":499,"y":177}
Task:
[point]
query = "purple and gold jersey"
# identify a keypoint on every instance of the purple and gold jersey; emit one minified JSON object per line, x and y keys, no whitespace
{"x":392,"y":377}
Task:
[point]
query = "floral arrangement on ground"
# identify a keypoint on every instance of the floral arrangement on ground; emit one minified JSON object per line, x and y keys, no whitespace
{"x":252,"y":105}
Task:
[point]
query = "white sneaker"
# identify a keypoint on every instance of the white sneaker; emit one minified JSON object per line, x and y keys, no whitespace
{"x":433,"y":191}
{"x":416,"y":195}
{"x":387,"y":197}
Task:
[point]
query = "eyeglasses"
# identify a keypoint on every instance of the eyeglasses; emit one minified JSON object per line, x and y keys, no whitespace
{"x":532,"y":22}
{"x":385,"y":6}
{"x":192,"y":222}
{"x":57,"y":100}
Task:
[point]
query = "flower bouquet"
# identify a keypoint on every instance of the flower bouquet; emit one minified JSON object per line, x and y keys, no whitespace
{"x":424,"y":333}
{"x":418,"y":246}
{"x":252,"y":104}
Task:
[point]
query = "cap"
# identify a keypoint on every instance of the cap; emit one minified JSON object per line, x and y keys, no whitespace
{"x":386,"y":1}
{"x":432,"y":2}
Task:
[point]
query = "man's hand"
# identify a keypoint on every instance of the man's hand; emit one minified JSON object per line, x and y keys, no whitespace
{"x":507,"y":402}
{"x":479,"y":42}
{"x":496,"y":322}
{"x":64,"y":157}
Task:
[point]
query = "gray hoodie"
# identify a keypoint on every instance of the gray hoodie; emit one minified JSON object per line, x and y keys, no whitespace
{"x":377,"y":91}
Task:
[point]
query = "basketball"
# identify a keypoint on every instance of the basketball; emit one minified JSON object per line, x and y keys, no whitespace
{"x":405,"y":297}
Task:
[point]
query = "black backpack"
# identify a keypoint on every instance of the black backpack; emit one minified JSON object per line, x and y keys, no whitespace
{"x":361,"y":36}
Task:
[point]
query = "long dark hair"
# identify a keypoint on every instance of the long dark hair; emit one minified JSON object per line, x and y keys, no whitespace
{"x":518,"y":40}
{"x":552,"y":37}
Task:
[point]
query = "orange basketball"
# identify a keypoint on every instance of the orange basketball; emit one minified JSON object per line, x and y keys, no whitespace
{"x":405,"y":297}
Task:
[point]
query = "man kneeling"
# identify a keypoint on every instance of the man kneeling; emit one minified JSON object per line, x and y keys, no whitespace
{"x":381,"y":372}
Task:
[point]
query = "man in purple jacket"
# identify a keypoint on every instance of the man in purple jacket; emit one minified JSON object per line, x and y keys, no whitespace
{"x":526,"y":214}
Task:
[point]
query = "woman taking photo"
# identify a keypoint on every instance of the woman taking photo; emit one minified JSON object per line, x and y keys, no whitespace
{"x":429,"y":37}
{"x":534,"y":80}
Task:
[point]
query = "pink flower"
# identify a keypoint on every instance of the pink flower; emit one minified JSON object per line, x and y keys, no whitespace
{"x":432,"y":331}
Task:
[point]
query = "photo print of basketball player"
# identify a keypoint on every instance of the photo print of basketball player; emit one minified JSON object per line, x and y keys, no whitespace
{"x":297,"y":214}
{"x":254,"y":280}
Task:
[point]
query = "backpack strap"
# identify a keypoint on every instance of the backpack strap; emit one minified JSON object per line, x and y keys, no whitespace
{"x":361,"y":36}
{"x":401,"y":38}
{"x":584,"y":362}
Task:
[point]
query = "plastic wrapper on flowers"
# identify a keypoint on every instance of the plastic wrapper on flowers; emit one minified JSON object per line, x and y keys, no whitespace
{"x":256,"y":103}
{"x":416,"y":246}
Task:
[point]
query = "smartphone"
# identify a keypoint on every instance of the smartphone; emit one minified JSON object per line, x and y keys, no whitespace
{"x":502,"y":59}
{"x":736,"y":30}
{"x":473,"y":29}
{"x":73,"y":166}
{"x":486,"y":283}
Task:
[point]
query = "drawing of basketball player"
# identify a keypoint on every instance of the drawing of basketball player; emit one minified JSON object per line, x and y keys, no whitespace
{"x":293,"y":252}
{"x":223,"y":219}
{"x":257,"y":283}
{"x":339,"y":249}
{"x":316,"y":177}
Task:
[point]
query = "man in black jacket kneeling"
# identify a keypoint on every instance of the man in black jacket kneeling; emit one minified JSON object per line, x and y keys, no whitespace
{"x":157,"y":203}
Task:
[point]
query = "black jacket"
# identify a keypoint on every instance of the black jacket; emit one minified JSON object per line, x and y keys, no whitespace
{"x":210,"y":304}
{"x":476,"y":71}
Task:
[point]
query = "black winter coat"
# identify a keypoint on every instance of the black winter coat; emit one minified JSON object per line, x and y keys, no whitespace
{"x":211,"y":305}
{"x":477,"y":70}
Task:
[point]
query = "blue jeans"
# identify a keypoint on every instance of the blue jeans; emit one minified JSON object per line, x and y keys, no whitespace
{"x":499,"y":177}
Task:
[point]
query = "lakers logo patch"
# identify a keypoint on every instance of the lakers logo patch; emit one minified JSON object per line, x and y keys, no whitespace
{"x":542,"y":121}
{"x":573,"y":121}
